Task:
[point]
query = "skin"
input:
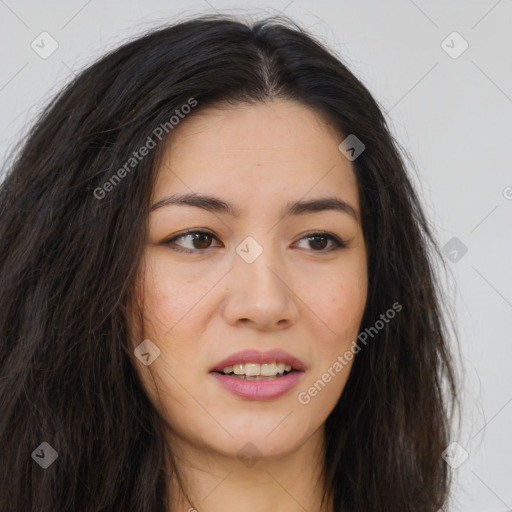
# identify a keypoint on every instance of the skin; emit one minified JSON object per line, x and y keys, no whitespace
{"x":303,"y":297}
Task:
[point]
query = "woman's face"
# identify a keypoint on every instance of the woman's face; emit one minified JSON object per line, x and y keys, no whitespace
{"x":258,"y":280}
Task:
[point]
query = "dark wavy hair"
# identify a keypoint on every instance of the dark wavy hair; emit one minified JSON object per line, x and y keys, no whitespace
{"x":69,"y":262}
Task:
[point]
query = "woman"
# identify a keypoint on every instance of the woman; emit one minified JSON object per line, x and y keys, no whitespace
{"x":216,"y":289}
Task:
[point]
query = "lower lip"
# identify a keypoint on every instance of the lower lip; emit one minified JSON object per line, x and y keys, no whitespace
{"x":266,"y":389}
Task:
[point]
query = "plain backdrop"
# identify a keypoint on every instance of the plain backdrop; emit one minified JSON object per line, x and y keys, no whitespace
{"x":448,"y":101}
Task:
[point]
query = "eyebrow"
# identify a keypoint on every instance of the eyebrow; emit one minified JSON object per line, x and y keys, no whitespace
{"x":216,"y":205}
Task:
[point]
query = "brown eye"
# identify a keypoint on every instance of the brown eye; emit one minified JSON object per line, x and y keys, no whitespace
{"x":198,"y":241}
{"x":201,"y":240}
{"x":319,"y":241}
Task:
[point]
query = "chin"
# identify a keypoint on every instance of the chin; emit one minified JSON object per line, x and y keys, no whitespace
{"x":247,"y":447}
{"x":269,"y":438}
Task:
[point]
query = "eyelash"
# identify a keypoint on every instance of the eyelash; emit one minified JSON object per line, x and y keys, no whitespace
{"x":338,"y":242}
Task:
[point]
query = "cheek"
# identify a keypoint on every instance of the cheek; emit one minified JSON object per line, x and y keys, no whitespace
{"x":168,"y":300}
{"x":171,"y":297}
{"x":343,"y":306}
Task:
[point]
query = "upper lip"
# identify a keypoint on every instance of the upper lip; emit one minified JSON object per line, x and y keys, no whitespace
{"x":254,"y":356}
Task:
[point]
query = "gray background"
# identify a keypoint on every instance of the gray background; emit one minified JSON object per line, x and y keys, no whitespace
{"x":452,"y":115}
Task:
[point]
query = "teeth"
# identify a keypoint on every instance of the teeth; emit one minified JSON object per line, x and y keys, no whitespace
{"x":255,"y":369}
{"x":238,"y":369}
{"x":268,"y":369}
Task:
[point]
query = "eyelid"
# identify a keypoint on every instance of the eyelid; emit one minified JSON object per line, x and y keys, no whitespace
{"x":338,"y":242}
{"x":169,"y":241}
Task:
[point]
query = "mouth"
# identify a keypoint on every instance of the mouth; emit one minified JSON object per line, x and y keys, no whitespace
{"x":253,"y":363}
{"x":255,"y":371}
{"x":253,"y":375}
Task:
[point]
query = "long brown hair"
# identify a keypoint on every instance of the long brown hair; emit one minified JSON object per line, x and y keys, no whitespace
{"x":69,"y":260}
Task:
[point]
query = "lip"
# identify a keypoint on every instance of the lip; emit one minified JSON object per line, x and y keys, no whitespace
{"x":266,"y":389}
{"x":259,"y":389}
{"x":254,"y":356}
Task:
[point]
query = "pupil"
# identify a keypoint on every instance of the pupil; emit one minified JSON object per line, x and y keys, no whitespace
{"x":197,"y":237}
{"x":315,"y":240}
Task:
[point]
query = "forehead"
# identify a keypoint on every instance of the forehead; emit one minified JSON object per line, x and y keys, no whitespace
{"x":275,"y":149}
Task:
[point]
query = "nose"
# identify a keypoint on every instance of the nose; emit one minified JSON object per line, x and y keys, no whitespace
{"x":260,"y":294}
